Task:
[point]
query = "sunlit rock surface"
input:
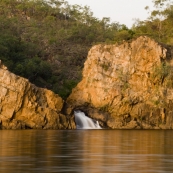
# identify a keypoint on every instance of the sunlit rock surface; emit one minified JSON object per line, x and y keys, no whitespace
{"x":127,"y":86}
{"x":23,"y":105}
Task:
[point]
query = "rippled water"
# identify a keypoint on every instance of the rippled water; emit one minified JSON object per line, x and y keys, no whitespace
{"x":86,"y":151}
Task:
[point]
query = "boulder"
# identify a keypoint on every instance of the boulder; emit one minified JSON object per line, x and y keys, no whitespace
{"x":25,"y":106}
{"x":128,"y":85}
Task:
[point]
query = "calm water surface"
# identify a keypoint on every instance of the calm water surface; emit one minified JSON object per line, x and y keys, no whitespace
{"x":86,"y":151}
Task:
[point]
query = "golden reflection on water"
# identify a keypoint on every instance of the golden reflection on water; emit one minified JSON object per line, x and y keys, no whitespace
{"x":121,"y":151}
{"x":125,"y":150}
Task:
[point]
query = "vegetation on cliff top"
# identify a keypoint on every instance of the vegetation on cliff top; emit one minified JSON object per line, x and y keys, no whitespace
{"x":159,"y":24}
{"x":48,"y":41}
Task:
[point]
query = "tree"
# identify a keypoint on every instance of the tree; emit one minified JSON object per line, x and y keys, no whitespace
{"x":159,"y":24}
{"x":47,"y":41}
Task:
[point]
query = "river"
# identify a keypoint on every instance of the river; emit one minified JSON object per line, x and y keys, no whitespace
{"x":86,"y":151}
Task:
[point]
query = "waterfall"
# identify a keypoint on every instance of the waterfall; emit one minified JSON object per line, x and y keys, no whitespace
{"x":84,"y":122}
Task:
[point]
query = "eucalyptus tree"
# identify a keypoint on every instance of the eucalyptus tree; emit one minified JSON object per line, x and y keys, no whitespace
{"x":159,"y":23}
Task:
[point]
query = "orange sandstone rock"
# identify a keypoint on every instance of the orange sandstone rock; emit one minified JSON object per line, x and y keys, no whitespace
{"x":128,"y":82}
{"x":23,"y":105}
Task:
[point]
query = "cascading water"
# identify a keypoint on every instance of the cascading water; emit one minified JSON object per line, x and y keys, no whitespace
{"x":84,"y":122}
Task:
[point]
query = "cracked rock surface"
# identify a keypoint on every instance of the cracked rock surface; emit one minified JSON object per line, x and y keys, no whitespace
{"x":25,"y":106}
{"x":128,"y":85}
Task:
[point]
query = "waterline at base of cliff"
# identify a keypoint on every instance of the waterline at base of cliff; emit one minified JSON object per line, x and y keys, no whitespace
{"x":125,"y":86}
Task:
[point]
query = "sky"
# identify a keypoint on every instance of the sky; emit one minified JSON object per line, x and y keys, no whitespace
{"x":122,"y":11}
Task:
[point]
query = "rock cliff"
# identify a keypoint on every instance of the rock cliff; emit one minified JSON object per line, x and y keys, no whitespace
{"x":23,"y":105}
{"x":127,"y":86}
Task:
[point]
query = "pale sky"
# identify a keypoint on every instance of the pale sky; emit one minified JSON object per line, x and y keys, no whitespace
{"x":122,"y":11}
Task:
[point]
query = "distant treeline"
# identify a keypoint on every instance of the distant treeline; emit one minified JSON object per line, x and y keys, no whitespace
{"x":47,"y":41}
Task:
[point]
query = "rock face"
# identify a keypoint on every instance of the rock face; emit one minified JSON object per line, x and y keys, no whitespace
{"x":127,"y":86}
{"x":23,"y":105}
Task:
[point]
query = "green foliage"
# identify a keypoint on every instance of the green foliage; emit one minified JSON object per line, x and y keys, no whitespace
{"x":47,"y":41}
{"x":125,"y":86}
{"x":65,"y":89}
{"x":156,"y":102}
{"x":161,"y":72}
{"x":104,"y":108}
{"x":105,"y":66}
{"x":163,"y":75}
{"x":159,"y":24}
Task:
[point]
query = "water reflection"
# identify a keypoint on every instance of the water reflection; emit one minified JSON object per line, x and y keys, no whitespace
{"x":83,"y":151}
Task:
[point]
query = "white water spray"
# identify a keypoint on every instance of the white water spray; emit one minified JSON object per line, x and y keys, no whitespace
{"x":84,"y":122}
